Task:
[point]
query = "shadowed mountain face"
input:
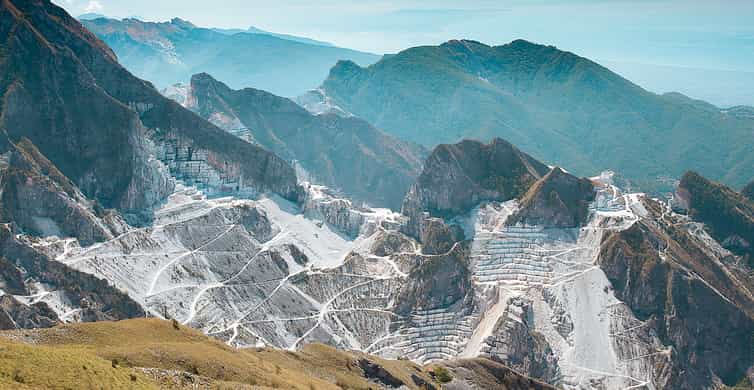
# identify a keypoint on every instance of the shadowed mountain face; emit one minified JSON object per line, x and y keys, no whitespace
{"x":457,"y":177}
{"x":728,"y":215}
{"x":696,"y":297}
{"x":100,"y":125}
{"x":558,"y":106}
{"x":344,"y":153}
{"x":557,"y":200}
{"x":170,"y":52}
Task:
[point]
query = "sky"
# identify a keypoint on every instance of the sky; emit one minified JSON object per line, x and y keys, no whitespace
{"x":653,"y":41}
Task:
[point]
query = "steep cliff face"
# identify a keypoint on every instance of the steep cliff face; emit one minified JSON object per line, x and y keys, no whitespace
{"x":51,"y":97}
{"x":559,"y":199}
{"x":344,"y":153}
{"x":40,"y":200}
{"x":99,"y":124}
{"x":16,"y":315}
{"x":455,"y":178}
{"x":438,"y":282}
{"x":728,"y":215}
{"x":690,"y":291}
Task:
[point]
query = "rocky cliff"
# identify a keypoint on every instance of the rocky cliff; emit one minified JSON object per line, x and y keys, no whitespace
{"x":690,"y":292}
{"x":455,"y":178}
{"x":99,"y":124}
{"x":36,"y":197}
{"x":728,"y":215}
{"x":41,"y":292}
{"x":559,"y":199}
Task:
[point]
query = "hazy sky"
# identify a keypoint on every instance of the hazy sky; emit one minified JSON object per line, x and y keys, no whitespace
{"x":713,"y":34}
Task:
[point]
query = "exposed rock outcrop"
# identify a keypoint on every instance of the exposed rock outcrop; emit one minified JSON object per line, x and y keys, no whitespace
{"x":557,"y":200}
{"x":457,"y":177}
{"x":699,"y":303}
{"x":16,"y":315}
{"x":486,"y":374}
{"x":728,"y":215}
{"x":99,"y":124}
{"x":53,"y":97}
{"x":437,"y":282}
{"x":38,"y":198}
{"x":520,"y":346}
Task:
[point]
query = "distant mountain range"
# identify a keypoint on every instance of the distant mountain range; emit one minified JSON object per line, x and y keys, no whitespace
{"x":170,"y":52}
{"x":344,"y":153}
{"x":254,"y":30}
{"x":558,"y":106}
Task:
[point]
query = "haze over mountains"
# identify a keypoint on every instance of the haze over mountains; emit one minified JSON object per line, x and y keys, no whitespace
{"x":166,"y":53}
{"x":555,"y":105}
{"x":117,"y":202}
{"x":344,"y":153}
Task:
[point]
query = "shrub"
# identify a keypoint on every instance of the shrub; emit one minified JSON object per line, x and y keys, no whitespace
{"x":17,"y":376}
{"x":442,"y":374}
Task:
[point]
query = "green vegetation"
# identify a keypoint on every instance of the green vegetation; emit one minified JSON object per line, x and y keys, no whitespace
{"x":554,"y":105}
{"x":442,"y":374}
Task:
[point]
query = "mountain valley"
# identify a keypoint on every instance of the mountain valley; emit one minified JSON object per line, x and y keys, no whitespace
{"x":273,"y":243}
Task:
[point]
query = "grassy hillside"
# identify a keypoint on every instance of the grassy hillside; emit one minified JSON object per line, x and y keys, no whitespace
{"x":555,"y":105}
{"x":111,"y":352}
{"x":151,"y":354}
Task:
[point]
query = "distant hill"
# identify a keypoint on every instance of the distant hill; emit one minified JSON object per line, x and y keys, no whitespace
{"x":90,"y":16}
{"x":170,"y":52}
{"x":254,"y":30}
{"x":555,"y":105}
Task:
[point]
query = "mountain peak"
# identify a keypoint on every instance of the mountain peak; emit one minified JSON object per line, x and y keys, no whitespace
{"x":524,"y":44}
{"x":559,"y":199}
{"x":182,"y":23}
{"x":464,"y":42}
{"x":456,"y":177}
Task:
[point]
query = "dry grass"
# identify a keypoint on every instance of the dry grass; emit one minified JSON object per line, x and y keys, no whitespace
{"x":83,"y":355}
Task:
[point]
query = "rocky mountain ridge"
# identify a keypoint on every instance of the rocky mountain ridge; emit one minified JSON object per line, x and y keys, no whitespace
{"x":343,"y":153}
{"x":107,"y":150}
{"x":170,"y":52}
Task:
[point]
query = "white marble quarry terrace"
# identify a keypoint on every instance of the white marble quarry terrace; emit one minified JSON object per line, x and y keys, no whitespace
{"x":265,"y":271}
{"x":428,"y":335}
